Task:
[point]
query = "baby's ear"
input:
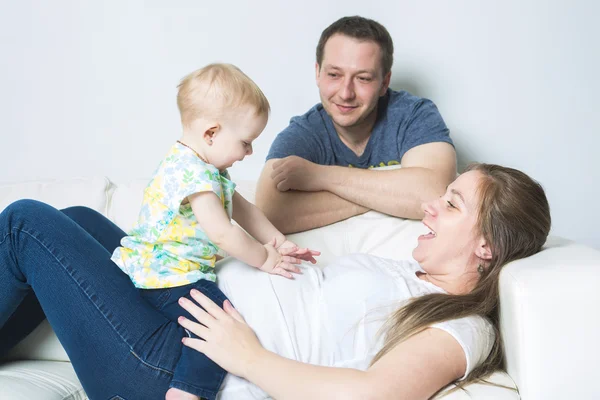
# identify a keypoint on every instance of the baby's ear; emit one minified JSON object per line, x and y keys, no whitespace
{"x":210,"y":133}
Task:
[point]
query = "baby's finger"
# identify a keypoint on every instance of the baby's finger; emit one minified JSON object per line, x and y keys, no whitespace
{"x":306,"y":257}
{"x":309,"y":258}
{"x":306,"y":250}
{"x":291,"y":260}
{"x":290,"y":267}
{"x":286,"y":251}
{"x":282,"y":272}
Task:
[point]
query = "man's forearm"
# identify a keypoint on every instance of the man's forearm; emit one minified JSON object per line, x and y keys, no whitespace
{"x":295,"y":211}
{"x":397,"y":192}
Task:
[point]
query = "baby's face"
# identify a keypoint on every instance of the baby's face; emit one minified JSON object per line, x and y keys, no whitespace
{"x":233,"y":142}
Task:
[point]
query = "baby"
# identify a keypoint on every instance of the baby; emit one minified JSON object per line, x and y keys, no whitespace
{"x":187,"y":210}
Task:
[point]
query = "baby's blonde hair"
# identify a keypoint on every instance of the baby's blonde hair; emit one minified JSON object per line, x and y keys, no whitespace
{"x":210,"y":91}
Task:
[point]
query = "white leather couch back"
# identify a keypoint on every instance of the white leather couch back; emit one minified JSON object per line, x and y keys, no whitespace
{"x":550,"y":302}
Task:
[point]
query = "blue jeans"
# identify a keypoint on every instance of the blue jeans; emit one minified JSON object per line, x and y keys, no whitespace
{"x":195,"y":373}
{"x":119,"y":344}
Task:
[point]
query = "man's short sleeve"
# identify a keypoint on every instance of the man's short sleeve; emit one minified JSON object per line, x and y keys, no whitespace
{"x":299,"y":140}
{"x":425,"y":125}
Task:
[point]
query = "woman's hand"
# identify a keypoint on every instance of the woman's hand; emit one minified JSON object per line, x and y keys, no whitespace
{"x":304,"y":254}
{"x":228,"y":340}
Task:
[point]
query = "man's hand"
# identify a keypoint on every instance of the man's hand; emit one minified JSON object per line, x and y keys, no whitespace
{"x":296,"y":173}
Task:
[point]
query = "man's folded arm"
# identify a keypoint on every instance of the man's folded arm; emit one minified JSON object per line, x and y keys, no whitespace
{"x":296,"y":211}
{"x":426,"y":171}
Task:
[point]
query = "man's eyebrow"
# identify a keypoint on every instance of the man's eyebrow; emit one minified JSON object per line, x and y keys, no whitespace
{"x":362,"y":71}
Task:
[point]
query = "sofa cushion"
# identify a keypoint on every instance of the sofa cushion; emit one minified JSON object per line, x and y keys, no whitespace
{"x":371,"y":233}
{"x":48,"y":380}
{"x":90,"y":192}
{"x":500,"y":387}
{"x":125,"y":203}
{"x":41,"y":344}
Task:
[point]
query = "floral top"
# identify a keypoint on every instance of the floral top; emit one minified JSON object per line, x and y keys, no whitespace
{"x":167,"y":248}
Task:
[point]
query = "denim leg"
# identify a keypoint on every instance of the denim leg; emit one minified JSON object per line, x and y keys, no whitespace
{"x":195,"y":373}
{"x":118,"y":343}
{"x":22,"y":322}
{"x":101,"y":228}
{"x":29,"y":313}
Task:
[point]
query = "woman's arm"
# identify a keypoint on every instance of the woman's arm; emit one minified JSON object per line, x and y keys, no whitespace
{"x":414,"y":369}
{"x":418,"y":367}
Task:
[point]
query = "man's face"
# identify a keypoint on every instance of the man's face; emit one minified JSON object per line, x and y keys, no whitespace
{"x":350,"y":80}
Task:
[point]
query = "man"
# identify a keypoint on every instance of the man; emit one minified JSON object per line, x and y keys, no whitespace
{"x":318,"y":168}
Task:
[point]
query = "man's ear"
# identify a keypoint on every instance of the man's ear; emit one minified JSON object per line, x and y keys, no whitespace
{"x":317,"y":72}
{"x":211,"y":132}
{"x":483,"y":250}
{"x":386,"y":83}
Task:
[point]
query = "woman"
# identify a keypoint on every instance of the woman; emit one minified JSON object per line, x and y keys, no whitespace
{"x":488,"y":217}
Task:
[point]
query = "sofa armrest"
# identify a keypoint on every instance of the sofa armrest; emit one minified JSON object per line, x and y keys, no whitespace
{"x":550,"y":321}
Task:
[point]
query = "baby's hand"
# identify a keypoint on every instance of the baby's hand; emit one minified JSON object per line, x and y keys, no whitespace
{"x":291,"y":249}
{"x":278,"y":262}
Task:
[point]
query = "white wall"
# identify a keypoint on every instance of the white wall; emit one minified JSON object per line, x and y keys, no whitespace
{"x":83,"y":83}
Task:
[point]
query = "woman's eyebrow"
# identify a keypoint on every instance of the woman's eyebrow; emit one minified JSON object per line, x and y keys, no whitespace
{"x":459,"y":194}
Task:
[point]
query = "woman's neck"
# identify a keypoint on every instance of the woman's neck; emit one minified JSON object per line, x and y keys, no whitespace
{"x":461,"y":284}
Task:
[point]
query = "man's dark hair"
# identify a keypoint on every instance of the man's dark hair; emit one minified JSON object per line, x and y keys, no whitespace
{"x":362,"y":29}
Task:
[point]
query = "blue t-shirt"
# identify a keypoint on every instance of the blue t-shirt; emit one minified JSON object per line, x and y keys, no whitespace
{"x":403,"y":121}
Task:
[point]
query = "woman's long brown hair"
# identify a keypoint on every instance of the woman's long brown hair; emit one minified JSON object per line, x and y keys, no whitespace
{"x":514,"y":218}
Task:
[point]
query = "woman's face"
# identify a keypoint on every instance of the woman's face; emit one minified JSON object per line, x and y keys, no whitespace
{"x":454,"y":241}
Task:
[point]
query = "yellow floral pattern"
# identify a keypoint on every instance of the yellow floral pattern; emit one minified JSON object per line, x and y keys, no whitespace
{"x":166,"y":247}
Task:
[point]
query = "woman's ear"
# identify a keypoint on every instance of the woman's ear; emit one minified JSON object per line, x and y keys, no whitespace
{"x":483,"y":251}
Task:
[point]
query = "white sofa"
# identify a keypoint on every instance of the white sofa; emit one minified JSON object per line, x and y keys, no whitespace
{"x":550,"y":302}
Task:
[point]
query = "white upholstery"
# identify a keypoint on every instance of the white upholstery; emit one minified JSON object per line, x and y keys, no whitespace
{"x":47,"y":380}
{"x":550,"y":320}
{"x":89,"y":192}
{"x":41,"y":344}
